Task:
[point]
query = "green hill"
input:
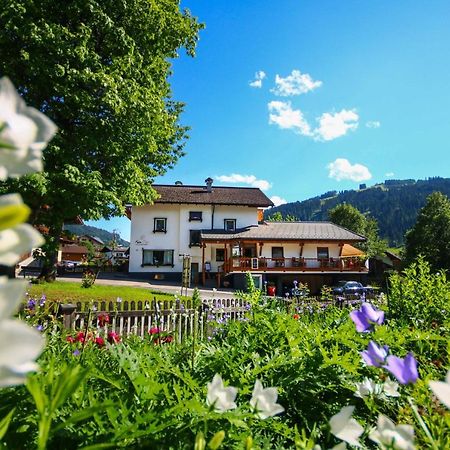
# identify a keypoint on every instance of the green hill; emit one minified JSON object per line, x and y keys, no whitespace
{"x":394,"y":204}
{"x":104,"y":235}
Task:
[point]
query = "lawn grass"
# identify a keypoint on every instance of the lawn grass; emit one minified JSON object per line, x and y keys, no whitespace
{"x":72,"y":292}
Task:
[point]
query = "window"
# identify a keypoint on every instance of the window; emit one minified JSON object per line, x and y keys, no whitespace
{"x":220,"y":254}
{"x":159,"y":225}
{"x":230,"y":224}
{"x":195,"y":216}
{"x":277,"y":252}
{"x":194,"y":238}
{"x":322,"y":253}
{"x":157,"y":258}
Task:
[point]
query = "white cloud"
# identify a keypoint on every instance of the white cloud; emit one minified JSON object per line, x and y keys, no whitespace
{"x":341,"y":169}
{"x":334,"y":125}
{"x":251,"y":180}
{"x":373,"y":124}
{"x":277,"y":201}
{"x":257,"y":82}
{"x":389,"y":174}
{"x":282,"y":114}
{"x":294,"y":84}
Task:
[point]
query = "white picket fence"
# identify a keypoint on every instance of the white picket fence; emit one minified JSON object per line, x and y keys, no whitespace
{"x":178,"y":321}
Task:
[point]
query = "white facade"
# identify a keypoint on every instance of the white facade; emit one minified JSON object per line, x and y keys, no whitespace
{"x":176,"y":237}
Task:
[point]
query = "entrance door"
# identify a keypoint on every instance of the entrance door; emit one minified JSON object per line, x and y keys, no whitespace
{"x":249,"y":251}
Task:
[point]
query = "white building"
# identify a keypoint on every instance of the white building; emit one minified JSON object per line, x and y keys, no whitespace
{"x":223,"y":231}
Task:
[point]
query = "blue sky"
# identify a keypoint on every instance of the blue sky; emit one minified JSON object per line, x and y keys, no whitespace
{"x":350,"y":92}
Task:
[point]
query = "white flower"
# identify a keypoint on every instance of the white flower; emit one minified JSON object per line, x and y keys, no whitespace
{"x":264,"y":401}
{"x":221,"y":397}
{"x":345,"y":428}
{"x":366,"y":388}
{"x":441,"y":390}
{"x":24,"y":131}
{"x":390,"y":436}
{"x":20,"y":344}
{"x":14,"y":242}
{"x":390,"y":388}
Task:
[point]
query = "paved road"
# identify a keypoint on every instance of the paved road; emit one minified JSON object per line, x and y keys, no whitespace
{"x":115,"y":279}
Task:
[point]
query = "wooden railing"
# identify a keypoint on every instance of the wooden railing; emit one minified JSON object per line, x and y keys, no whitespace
{"x":295,"y":264}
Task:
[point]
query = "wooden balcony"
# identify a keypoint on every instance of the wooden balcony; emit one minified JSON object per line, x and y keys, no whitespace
{"x":260,"y":264}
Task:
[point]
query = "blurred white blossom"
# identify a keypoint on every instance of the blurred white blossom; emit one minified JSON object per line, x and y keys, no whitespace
{"x":390,"y":388}
{"x":221,"y":398}
{"x":344,"y":427}
{"x":264,"y":401}
{"x":390,"y":436}
{"x":441,"y":390}
{"x":24,"y":133}
{"x":20,"y":344}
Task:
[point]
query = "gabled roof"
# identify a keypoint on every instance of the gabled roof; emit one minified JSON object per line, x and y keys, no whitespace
{"x":218,"y":195}
{"x":286,"y":231}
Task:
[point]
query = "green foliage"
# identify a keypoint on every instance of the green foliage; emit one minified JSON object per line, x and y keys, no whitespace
{"x":418,"y":297}
{"x":275,"y":217}
{"x":430,"y":236}
{"x":349,"y":217}
{"x":100,"y":71}
{"x":394,"y":204}
{"x":140,"y":395}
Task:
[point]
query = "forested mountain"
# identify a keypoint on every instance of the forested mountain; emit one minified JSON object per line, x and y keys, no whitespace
{"x":394,"y":204}
{"x":104,"y":235}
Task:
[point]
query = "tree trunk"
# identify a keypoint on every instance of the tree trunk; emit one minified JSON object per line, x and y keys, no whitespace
{"x":51,"y":247}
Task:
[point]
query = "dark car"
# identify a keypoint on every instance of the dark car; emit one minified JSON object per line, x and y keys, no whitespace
{"x":348,"y":288}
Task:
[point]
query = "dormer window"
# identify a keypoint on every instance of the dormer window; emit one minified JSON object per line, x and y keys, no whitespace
{"x":159,"y":225}
{"x":195,"y":216}
{"x":230,"y":224}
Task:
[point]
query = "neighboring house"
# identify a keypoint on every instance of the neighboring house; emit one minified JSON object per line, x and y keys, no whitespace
{"x":94,"y":240}
{"x":116,"y":256}
{"x":222,"y":231}
{"x":73,"y":252}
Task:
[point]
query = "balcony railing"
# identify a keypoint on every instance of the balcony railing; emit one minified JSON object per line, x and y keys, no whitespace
{"x":348,"y":264}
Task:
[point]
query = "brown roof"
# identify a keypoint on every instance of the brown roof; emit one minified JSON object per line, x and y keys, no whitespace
{"x":218,"y":195}
{"x":286,"y":231}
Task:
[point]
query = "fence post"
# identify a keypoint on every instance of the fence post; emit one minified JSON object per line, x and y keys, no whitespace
{"x":67,"y":311}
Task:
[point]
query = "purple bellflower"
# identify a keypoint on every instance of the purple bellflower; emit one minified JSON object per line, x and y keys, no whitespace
{"x":374,"y":355}
{"x":366,"y":316}
{"x":405,"y":370}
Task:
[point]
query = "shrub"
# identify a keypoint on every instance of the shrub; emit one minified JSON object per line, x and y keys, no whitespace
{"x":418,"y":297}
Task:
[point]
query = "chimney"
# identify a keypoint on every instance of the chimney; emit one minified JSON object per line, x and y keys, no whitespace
{"x":209,"y":182}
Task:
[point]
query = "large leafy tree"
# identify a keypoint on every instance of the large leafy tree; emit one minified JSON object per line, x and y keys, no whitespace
{"x":349,"y":217}
{"x":99,"y":70}
{"x":430,"y":236}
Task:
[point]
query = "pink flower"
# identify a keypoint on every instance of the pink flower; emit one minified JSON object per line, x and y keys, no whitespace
{"x":154,"y":330}
{"x":100,"y":341}
{"x":113,"y":338}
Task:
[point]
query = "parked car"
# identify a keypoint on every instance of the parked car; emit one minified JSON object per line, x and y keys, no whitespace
{"x":348,"y":288}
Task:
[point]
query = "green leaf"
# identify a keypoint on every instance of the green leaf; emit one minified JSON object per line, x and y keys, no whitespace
{"x":4,"y":423}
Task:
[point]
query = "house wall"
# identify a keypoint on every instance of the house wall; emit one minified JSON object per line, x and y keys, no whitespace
{"x":177,"y":237}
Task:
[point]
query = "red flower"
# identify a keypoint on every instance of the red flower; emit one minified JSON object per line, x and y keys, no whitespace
{"x":113,"y":338}
{"x":70,"y":339}
{"x":100,"y":341}
{"x":296,"y":316}
{"x":102,"y":320}
{"x":167,"y":339}
{"x":154,"y":330}
{"x":80,"y":337}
